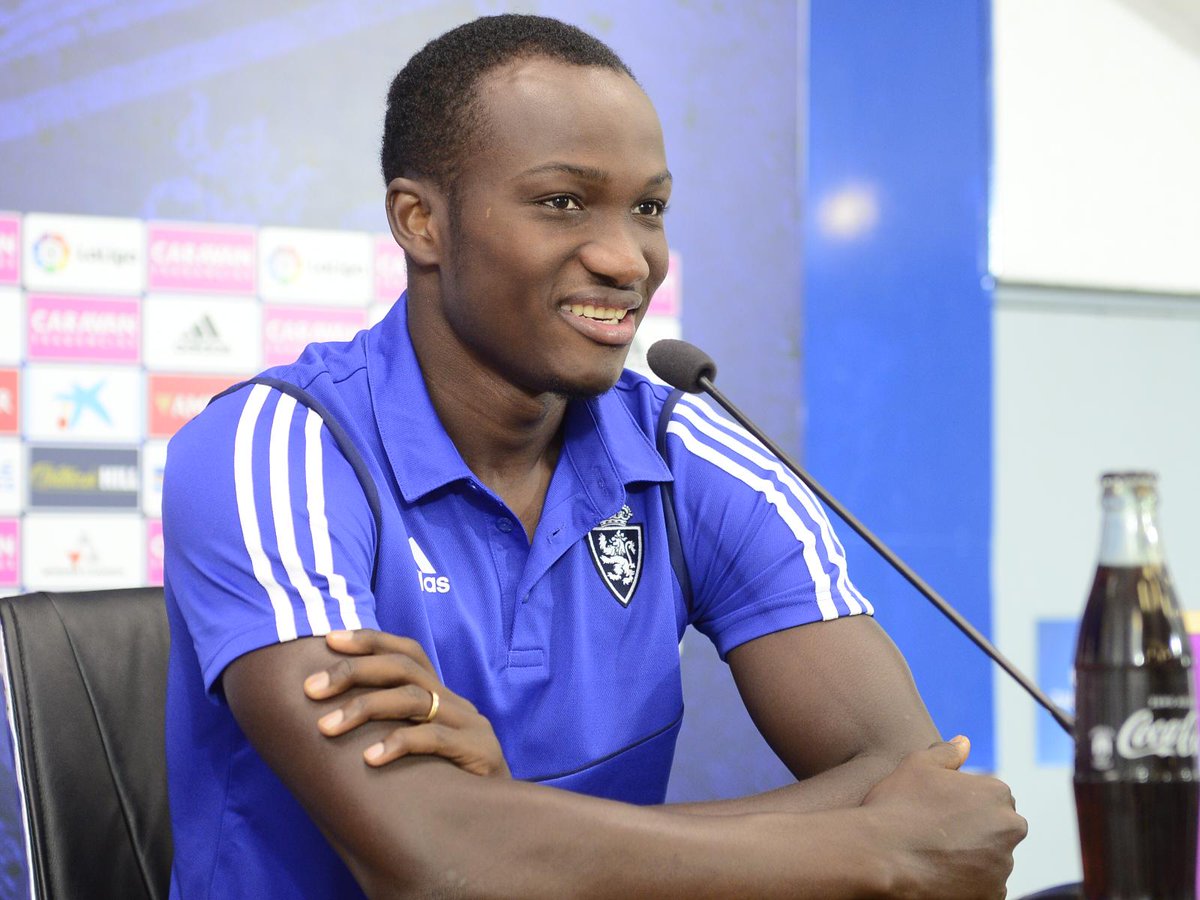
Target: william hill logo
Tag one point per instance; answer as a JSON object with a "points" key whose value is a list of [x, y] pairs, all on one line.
{"points": [[82, 477], [46, 476]]}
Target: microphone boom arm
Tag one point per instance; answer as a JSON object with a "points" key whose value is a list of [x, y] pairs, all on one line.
{"points": [[1060, 716]]}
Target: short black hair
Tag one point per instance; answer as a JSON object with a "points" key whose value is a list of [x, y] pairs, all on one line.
{"points": [[433, 114]]}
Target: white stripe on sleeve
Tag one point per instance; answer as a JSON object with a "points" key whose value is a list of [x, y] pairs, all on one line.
{"points": [[319, 524], [243, 480], [281, 509], [855, 601], [799, 529]]}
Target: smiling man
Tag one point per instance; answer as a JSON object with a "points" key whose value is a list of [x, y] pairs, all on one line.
{"points": [[478, 474]]}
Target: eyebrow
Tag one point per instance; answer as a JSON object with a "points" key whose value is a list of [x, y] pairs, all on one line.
{"points": [[589, 173]]}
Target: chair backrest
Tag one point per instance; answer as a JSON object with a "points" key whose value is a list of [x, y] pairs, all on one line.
{"points": [[85, 674]]}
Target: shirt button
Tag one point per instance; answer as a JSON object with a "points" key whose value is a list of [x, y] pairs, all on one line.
{"points": [[504, 525]]}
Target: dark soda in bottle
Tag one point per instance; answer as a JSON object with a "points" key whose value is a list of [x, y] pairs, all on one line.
{"points": [[1136, 772]]}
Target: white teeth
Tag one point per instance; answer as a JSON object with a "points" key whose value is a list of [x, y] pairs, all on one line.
{"points": [[603, 313]]}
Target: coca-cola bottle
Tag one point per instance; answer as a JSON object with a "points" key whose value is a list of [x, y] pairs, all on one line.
{"points": [[1135, 728]]}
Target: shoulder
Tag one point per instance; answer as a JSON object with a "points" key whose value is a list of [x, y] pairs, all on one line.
{"points": [[311, 380]]}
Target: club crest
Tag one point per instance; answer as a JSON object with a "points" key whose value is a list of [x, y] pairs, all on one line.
{"points": [[616, 548]]}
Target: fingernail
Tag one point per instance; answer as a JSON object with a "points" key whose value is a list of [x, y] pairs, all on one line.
{"points": [[960, 739], [374, 751], [317, 682], [340, 633], [332, 720]]}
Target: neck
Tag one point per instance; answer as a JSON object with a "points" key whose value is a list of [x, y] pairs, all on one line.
{"points": [[507, 436]]}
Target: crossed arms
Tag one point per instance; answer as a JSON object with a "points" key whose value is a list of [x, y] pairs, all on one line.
{"points": [[877, 810]]}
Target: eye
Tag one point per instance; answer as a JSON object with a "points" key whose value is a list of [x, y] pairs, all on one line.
{"points": [[564, 202], [651, 208]]}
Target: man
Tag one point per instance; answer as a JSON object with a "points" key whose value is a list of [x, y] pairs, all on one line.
{"points": [[477, 475]]}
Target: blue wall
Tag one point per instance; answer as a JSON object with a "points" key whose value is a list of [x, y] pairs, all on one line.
{"points": [[897, 320]]}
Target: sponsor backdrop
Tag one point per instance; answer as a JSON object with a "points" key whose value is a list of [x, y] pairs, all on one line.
{"points": [[857, 334], [116, 332]]}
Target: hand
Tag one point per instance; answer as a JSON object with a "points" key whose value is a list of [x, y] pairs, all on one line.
{"points": [[404, 683], [954, 832]]}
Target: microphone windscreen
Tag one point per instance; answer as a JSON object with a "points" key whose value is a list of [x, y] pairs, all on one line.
{"points": [[680, 364]]}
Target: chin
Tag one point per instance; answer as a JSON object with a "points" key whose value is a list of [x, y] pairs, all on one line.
{"points": [[580, 386]]}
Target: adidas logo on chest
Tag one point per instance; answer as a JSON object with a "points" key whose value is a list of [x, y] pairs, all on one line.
{"points": [[431, 582]]}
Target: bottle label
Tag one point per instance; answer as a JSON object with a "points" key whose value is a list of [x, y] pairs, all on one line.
{"points": [[1142, 735]]}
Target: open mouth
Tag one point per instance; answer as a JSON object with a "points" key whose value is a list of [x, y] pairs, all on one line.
{"points": [[596, 313]]}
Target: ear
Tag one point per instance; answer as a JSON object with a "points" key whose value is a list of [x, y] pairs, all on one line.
{"points": [[413, 209]]}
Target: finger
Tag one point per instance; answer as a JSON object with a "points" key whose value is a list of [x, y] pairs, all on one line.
{"points": [[391, 670], [368, 641], [395, 705], [949, 754], [430, 740]]}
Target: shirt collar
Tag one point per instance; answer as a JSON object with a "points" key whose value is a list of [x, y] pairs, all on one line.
{"points": [[600, 436]]}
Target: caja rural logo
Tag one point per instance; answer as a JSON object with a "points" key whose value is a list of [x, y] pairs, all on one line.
{"points": [[51, 252]]}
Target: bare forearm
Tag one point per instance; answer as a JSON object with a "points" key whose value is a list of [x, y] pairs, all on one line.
{"points": [[491, 838], [423, 827], [838, 788]]}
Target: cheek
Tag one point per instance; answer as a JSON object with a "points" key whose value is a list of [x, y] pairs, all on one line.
{"points": [[658, 257]]}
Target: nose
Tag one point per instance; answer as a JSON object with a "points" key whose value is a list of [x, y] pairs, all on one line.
{"points": [[618, 255]]}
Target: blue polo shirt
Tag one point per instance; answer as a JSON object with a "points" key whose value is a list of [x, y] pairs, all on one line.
{"points": [[567, 643]]}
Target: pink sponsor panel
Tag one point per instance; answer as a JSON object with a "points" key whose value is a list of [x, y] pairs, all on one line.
{"points": [[668, 299], [391, 275], [10, 557], [154, 551], [287, 330], [89, 329], [10, 248], [198, 258]]}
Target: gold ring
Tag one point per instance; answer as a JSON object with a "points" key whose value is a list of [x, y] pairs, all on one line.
{"points": [[434, 703]]}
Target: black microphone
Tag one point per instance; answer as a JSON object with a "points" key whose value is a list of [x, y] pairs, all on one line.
{"points": [[690, 369]]}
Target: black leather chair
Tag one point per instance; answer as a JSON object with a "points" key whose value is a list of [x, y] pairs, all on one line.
{"points": [[86, 676]]}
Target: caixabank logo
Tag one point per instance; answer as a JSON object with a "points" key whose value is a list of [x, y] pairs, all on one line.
{"points": [[83, 404]]}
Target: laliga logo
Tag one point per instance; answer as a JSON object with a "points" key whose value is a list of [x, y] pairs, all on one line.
{"points": [[51, 252], [285, 265]]}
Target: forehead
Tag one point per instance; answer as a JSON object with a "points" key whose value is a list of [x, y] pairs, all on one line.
{"points": [[541, 110]]}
